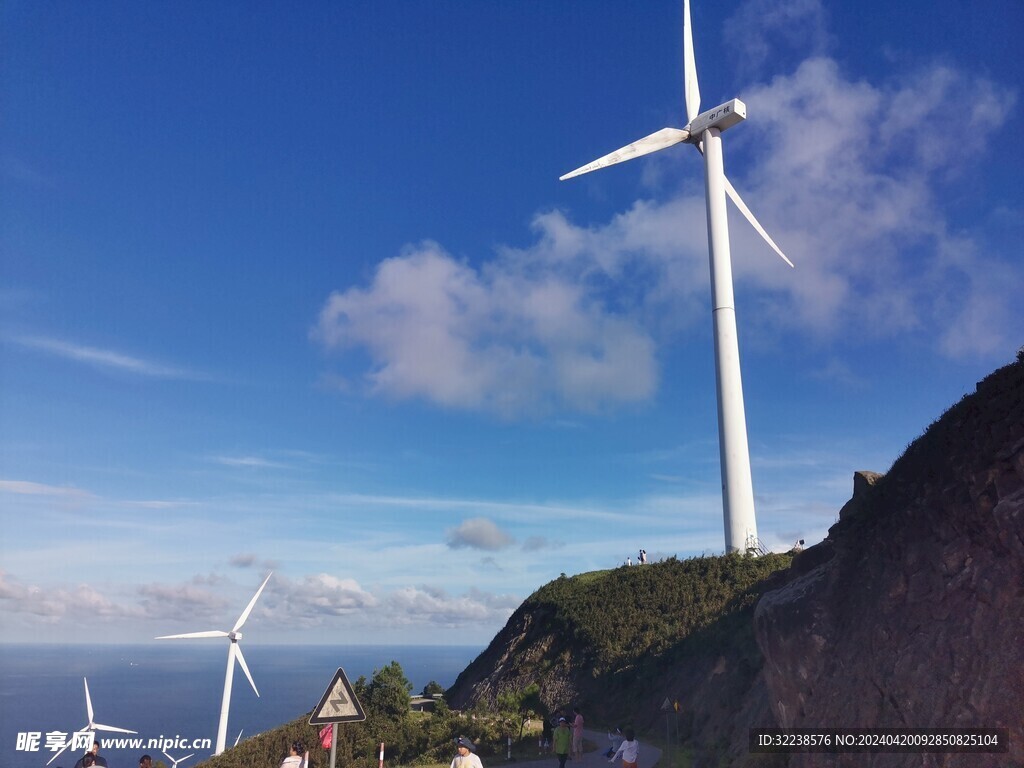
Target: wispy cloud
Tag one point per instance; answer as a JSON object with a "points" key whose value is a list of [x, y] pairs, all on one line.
{"points": [[253, 462], [104, 358], [28, 488]]}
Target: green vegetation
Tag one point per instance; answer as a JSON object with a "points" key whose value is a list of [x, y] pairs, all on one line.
{"points": [[410, 738], [432, 688], [620, 615], [639, 621]]}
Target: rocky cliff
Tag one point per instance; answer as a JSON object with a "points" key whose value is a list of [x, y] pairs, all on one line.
{"points": [[911, 612]]}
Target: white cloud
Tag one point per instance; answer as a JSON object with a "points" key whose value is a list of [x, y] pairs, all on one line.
{"points": [[79, 603], [207, 602], [103, 358], [759, 28], [318, 597], [479, 533], [496, 339], [847, 176], [424, 605]]}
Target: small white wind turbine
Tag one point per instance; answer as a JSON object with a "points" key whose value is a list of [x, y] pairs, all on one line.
{"points": [[92, 725], [704, 131], [234, 652], [174, 763]]}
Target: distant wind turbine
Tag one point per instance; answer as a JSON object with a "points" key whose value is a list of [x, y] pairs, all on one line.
{"points": [[92, 725], [704, 130], [174, 763], [234, 652]]}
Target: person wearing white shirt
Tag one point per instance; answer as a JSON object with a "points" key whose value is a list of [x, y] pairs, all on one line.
{"points": [[465, 758], [297, 756], [629, 750]]}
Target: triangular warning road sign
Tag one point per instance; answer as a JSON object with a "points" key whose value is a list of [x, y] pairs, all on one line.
{"points": [[339, 703]]}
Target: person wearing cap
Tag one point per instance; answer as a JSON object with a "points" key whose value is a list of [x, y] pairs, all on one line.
{"points": [[562, 740], [465, 757]]}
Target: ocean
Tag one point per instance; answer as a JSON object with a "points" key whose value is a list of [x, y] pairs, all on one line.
{"points": [[173, 690]]}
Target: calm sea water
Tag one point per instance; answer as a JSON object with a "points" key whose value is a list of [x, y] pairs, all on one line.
{"points": [[174, 690]]}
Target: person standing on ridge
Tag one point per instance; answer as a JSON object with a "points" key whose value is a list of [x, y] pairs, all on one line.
{"points": [[465, 757], [562, 739], [577, 734]]}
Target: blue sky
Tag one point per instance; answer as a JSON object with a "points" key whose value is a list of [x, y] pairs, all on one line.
{"points": [[297, 288]]}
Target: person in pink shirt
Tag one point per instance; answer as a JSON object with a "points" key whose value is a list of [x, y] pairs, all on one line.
{"points": [[577, 734]]}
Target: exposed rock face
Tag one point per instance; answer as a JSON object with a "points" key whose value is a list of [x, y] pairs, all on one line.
{"points": [[911, 612]]}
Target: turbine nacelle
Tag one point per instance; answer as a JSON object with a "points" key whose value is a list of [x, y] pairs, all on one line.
{"points": [[721, 117]]}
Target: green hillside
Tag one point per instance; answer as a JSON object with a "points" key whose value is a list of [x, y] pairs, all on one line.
{"points": [[616, 641], [620, 617]]}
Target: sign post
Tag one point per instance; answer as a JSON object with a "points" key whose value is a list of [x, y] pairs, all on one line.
{"points": [[338, 705], [667, 708]]}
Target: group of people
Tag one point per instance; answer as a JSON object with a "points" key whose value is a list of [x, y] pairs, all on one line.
{"points": [[565, 739], [641, 558]]}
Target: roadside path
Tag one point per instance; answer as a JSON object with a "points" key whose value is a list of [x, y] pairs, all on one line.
{"points": [[593, 758]]}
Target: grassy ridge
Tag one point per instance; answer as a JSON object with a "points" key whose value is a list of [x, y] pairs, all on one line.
{"points": [[620, 616]]}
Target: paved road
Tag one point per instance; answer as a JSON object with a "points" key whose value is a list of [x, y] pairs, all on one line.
{"points": [[594, 758]]}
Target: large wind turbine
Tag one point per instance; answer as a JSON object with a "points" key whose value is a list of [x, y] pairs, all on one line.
{"points": [[234, 652], [92, 725], [704, 130]]}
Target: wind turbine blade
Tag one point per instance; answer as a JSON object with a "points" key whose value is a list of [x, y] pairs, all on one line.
{"points": [[88, 700], [666, 137], [186, 757], [245, 668], [248, 610], [691, 91], [101, 727], [208, 633], [238, 738], [170, 758], [735, 196], [59, 753]]}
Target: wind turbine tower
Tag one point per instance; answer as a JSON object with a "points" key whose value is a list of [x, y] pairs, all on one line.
{"points": [[234, 654], [704, 131]]}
